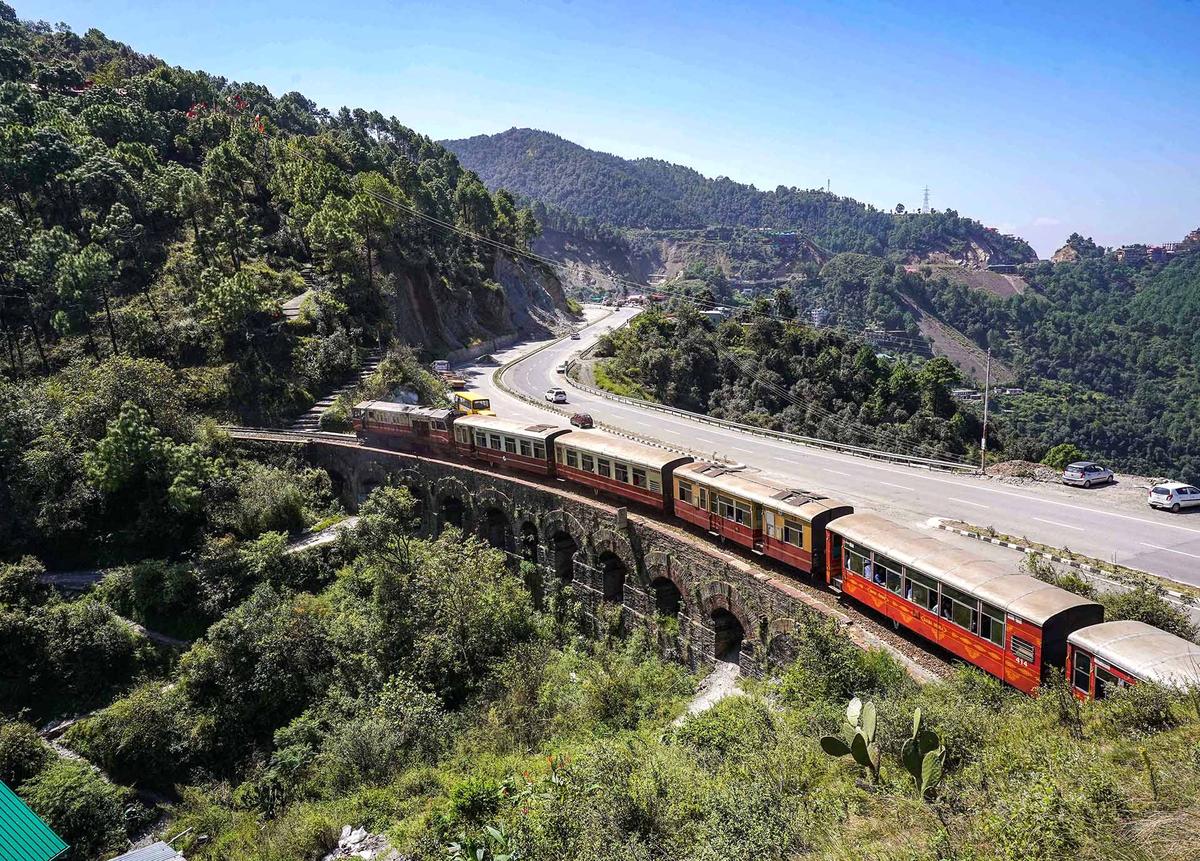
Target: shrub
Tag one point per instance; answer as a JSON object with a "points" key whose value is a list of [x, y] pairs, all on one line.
{"points": [[475, 799], [1148, 603], [22, 753], [829, 668], [734, 728], [80, 805], [19, 581], [1061, 455], [1140, 709]]}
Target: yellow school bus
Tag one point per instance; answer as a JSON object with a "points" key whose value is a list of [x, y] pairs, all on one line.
{"points": [[473, 404]]}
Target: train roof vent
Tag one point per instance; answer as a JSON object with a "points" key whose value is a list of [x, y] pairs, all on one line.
{"points": [[797, 497], [717, 469], [540, 428]]}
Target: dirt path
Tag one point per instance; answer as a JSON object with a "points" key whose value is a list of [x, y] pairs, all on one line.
{"points": [[955, 346], [720, 683]]}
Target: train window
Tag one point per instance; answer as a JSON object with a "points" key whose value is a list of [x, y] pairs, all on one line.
{"points": [[1081, 671], [622, 473], [539, 450], [1022, 649], [887, 572], [558, 454], [922, 591], [604, 467], [1106, 682], [960, 608], [712, 502], [510, 445], [438, 424], [991, 624], [793, 533], [741, 513], [480, 440], [495, 441], [587, 463], [854, 561], [685, 492], [724, 507], [526, 448], [654, 483], [639, 477], [572, 459]]}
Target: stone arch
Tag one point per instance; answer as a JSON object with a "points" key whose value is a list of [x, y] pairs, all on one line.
{"points": [[370, 476], [496, 529], [452, 504], [490, 497], [342, 482], [668, 589], [732, 628], [612, 572], [560, 520], [607, 541], [529, 543], [563, 548], [781, 641]]}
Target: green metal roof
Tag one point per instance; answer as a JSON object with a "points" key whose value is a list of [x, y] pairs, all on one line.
{"points": [[24, 837]]}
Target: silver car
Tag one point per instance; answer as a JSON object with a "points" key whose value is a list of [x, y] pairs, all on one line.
{"points": [[1174, 495], [556, 396], [1087, 474]]}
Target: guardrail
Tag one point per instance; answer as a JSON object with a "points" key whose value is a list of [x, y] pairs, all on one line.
{"points": [[797, 439]]}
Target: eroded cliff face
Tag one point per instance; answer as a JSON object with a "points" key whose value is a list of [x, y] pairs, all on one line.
{"points": [[520, 297]]}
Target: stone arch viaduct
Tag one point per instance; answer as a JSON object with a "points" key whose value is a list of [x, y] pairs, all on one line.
{"points": [[699, 603]]}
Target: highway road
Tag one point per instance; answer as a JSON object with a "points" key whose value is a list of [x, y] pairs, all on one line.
{"points": [[1101, 524]]}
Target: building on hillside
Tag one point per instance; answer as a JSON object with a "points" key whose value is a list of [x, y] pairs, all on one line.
{"points": [[24, 837], [819, 317], [154, 852]]}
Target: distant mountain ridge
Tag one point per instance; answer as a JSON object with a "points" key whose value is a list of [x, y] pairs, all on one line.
{"points": [[652, 193]]}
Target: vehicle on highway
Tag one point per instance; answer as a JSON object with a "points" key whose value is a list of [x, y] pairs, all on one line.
{"points": [[561, 369], [1017, 628], [556, 396], [440, 366], [575, 336], [473, 403], [1084, 473], [583, 420], [1174, 495]]}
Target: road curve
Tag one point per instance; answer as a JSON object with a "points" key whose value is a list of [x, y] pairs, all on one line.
{"points": [[1088, 522]]}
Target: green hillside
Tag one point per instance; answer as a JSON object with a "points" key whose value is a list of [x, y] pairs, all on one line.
{"points": [[651, 193]]}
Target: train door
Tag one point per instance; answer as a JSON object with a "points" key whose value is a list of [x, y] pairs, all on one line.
{"points": [[833, 560]]}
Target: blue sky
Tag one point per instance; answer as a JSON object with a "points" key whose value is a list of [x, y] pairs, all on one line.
{"points": [[1037, 118]]}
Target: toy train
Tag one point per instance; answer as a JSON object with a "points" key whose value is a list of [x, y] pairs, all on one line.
{"points": [[1013, 626]]}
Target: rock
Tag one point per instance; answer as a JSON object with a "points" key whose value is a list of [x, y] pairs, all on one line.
{"points": [[357, 836], [346, 829]]}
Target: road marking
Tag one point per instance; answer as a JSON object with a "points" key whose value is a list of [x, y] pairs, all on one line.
{"points": [[968, 502], [836, 472], [742, 450], [1169, 550], [901, 486], [1057, 523]]}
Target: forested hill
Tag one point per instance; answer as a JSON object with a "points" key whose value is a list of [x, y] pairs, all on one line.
{"points": [[657, 194], [155, 212]]}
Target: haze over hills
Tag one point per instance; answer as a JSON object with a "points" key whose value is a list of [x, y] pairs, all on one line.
{"points": [[655, 194]]}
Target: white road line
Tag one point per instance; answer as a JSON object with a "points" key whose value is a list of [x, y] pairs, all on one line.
{"points": [[742, 450], [968, 502], [1169, 550], [901, 486], [1057, 523], [836, 472]]}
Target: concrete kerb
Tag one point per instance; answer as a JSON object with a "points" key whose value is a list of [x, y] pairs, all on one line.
{"points": [[1091, 570]]}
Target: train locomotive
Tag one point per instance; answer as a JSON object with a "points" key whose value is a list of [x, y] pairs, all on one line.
{"points": [[1013, 626]]}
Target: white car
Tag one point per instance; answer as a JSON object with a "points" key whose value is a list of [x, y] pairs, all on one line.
{"points": [[1086, 474], [1174, 495], [561, 369], [558, 396]]}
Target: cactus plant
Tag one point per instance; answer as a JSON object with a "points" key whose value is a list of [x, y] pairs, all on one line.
{"points": [[923, 756], [858, 737]]}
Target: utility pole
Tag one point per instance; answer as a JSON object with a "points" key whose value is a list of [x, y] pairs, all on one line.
{"points": [[987, 385]]}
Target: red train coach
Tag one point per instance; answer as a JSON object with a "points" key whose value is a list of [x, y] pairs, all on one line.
{"points": [[1104, 658], [1010, 625], [404, 423], [630, 470], [758, 511], [519, 445]]}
